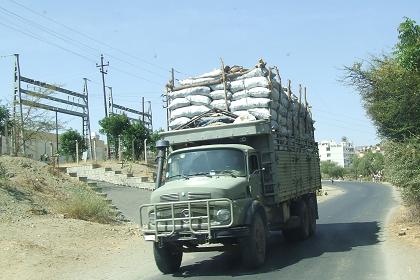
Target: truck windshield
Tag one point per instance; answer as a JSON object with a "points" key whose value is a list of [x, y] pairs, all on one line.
{"points": [[229, 162]]}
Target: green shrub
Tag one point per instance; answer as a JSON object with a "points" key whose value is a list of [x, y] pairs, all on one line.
{"points": [[402, 168]]}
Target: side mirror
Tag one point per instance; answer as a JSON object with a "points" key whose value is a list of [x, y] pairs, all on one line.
{"points": [[257, 171]]}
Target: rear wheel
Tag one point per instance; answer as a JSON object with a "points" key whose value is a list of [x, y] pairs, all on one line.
{"points": [[313, 213], [301, 232], [168, 257], [253, 247]]}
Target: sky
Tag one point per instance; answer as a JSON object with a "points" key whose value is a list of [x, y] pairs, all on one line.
{"points": [[310, 42]]}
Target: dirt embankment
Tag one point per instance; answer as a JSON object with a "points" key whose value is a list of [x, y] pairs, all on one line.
{"points": [[40, 240]]}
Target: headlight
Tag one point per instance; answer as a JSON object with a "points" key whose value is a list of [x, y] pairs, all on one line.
{"points": [[223, 215]]}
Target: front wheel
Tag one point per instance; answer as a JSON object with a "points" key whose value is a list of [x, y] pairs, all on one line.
{"points": [[253, 247], [168, 257]]}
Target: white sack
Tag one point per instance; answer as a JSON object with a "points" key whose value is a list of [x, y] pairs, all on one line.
{"points": [[192, 81], [243, 116], [220, 94], [178, 121], [211, 74], [260, 113], [220, 86], [248, 83], [178, 103], [189, 112], [219, 104], [198, 99], [189, 91], [257, 72], [253, 92], [250, 103]]}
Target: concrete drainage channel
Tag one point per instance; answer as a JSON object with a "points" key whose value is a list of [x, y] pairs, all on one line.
{"points": [[92, 174]]}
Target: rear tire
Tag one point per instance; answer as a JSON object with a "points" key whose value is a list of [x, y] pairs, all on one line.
{"points": [[167, 258], [313, 213], [300, 209], [253, 247]]}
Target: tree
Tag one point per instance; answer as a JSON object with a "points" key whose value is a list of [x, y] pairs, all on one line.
{"points": [[390, 91], [114, 126], [68, 144], [36, 121], [4, 118], [133, 137], [154, 137], [407, 50], [331, 169]]}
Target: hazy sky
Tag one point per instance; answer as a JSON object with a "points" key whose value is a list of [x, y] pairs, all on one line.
{"points": [[310, 42]]}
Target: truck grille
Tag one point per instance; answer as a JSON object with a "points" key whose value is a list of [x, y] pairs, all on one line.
{"points": [[169, 197], [197, 196]]}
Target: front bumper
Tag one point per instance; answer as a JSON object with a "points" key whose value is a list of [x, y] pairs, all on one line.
{"points": [[185, 220]]}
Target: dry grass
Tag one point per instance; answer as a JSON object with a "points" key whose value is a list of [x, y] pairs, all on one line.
{"points": [[29, 187], [409, 214], [86, 205]]}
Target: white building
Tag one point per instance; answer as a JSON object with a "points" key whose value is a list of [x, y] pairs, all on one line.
{"points": [[340, 153]]}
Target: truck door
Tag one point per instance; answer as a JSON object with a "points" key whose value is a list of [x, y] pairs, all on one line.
{"points": [[255, 178]]}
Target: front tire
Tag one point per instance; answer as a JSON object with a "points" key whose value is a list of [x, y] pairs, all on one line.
{"points": [[168, 257], [253, 247]]}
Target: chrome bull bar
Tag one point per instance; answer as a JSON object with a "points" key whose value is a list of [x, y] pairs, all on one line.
{"points": [[186, 224]]}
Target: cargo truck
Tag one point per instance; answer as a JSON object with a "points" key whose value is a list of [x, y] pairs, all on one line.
{"points": [[227, 186]]}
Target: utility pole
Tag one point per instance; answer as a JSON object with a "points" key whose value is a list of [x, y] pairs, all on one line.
{"points": [[86, 120], [150, 112], [172, 85], [142, 105], [103, 72], [17, 99], [110, 102], [56, 131]]}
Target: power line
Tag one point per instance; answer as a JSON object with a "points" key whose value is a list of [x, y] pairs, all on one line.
{"points": [[46, 41], [73, 52], [93, 39], [72, 41]]}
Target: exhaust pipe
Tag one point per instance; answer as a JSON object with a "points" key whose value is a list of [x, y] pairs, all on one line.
{"points": [[161, 146]]}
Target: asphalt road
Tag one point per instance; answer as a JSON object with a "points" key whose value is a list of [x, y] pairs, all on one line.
{"points": [[347, 244]]}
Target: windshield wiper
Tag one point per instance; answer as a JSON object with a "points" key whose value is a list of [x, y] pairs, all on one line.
{"points": [[230, 172], [207, 174], [179, 175]]}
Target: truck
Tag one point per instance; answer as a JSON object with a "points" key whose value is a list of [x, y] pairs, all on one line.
{"points": [[238, 162], [230, 185]]}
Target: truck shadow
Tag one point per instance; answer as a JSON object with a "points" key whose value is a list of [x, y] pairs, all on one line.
{"points": [[335, 237]]}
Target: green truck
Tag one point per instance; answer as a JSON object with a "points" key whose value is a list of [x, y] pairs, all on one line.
{"points": [[227, 186]]}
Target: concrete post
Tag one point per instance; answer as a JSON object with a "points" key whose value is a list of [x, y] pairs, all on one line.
{"points": [[145, 150], [77, 152]]}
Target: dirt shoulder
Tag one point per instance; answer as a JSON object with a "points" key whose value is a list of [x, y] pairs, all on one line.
{"points": [[401, 242], [48, 247], [329, 191]]}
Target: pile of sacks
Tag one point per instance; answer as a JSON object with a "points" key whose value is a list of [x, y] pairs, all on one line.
{"points": [[250, 94]]}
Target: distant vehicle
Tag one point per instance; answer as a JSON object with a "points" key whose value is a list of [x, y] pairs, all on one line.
{"points": [[229, 185]]}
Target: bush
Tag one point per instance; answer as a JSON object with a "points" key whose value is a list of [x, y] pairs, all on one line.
{"points": [[86, 205], [331, 169], [402, 168]]}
